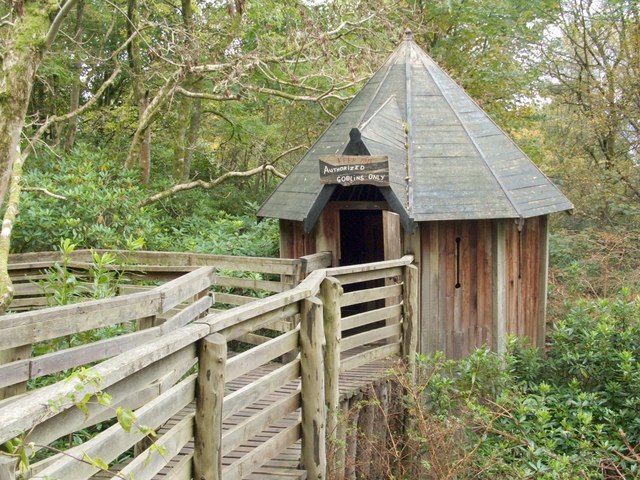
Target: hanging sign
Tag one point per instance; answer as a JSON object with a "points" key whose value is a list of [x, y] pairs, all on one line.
{"points": [[349, 170]]}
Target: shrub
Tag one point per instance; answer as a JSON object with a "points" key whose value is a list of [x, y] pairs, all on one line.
{"points": [[573, 414], [100, 211]]}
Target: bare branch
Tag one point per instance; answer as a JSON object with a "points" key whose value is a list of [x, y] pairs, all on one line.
{"points": [[292, 149], [57, 22], [210, 68], [61, 118], [207, 185], [346, 24], [206, 96], [4, 21], [299, 98], [45, 191]]}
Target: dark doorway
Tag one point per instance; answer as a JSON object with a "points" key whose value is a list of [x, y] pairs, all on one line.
{"points": [[361, 237]]}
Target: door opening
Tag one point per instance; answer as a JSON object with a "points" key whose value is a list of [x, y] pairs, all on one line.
{"points": [[361, 237]]}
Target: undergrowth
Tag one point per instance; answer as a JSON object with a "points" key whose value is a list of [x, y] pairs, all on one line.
{"points": [[569, 414]]}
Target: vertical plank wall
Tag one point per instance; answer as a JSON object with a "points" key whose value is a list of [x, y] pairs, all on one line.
{"points": [[293, 241], [523, 274], [457, 320]]}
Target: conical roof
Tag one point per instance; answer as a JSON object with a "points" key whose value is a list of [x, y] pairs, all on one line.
{"points": [[447, 159]]}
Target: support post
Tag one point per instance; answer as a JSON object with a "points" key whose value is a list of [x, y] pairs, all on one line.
{"points": [[207, 453], [331, 290], [147, 322], [410, 317], [7, 467], [499, 288], [543, 282], [11, 355], [314, 459]]}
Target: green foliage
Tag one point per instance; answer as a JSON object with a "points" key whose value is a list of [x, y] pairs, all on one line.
{"points": [[100, 211], [570, 415], [62, 286]]}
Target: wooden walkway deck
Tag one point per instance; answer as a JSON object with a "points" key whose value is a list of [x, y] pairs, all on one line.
{"points": [[285, 465], [255, 430]]}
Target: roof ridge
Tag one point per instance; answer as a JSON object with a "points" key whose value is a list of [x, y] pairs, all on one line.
{"points": [[364, 124], [408, 39], [388, 64], [504, 189]]}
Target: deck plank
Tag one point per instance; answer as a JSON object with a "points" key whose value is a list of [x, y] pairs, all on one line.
{"points": [[285, 465]]}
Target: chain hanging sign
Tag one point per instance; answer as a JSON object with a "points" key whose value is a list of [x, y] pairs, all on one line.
{"points": [[347, 170]]}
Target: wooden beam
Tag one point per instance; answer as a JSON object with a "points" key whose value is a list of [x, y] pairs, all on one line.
{"points": [[331, 290], [366, 318], [147, 463], [253, 425], [207, 453], [314, 458], [7, 467], [115, 440], [252, 392], [316, 261], [371, 294], [410, 317], [543, 280], [14, 355], [251, 359], [499, 287]]}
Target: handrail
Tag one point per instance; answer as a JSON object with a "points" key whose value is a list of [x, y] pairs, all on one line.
{"points": [[113, 374]]}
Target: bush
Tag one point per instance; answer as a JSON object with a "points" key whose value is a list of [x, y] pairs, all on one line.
{"points": [[573, 414], [100, 211]]}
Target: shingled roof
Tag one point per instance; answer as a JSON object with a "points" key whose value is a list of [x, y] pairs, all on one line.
{"points": [[447, 159]]}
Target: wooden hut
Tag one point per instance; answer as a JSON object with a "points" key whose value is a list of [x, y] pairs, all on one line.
{"points": [[414, 165]]}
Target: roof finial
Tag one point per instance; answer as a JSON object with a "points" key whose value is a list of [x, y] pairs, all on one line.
{"points": [[408, 34]]}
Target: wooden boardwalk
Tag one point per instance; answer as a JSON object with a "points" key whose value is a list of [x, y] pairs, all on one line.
{"points": [[285, 465], [256, 415]]}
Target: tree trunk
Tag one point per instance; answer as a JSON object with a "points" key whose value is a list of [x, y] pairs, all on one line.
{"points": [[183, 132], [147, 117], [145, 146], [192, 136], [21, 50], [183, 110], [141, 145], [18, 71], [19, 65], [74, 101]]}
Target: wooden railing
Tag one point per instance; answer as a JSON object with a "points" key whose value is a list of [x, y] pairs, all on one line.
{"points": [[20, 332], [150, 379], [239, 279]]}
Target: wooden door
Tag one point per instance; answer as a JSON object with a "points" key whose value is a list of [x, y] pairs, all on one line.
{"points": [[392, 235]]}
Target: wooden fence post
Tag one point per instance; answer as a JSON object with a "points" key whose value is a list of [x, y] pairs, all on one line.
{"points": [[411, 312], [7, 467], [12, 355], [314, 459], [207, 453], [331, 290]]}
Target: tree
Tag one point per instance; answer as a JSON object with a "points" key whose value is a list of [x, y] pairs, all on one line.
{"points": [[27, 30], [594, 68]]}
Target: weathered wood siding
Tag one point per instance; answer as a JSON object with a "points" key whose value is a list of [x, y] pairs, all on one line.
{"points": [[458, 319], [294, 243], [458, 282], [455, 320], [523, 277]]}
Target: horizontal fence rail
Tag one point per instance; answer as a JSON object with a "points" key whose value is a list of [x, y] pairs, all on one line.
{"points": [[239, 280], [344, 317]]}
